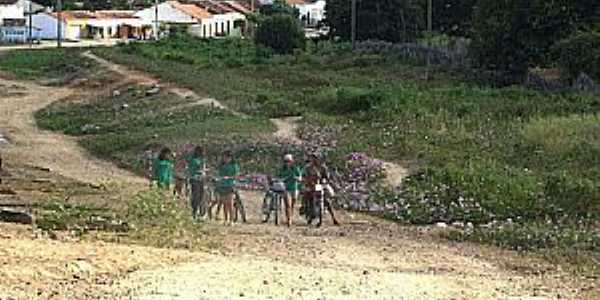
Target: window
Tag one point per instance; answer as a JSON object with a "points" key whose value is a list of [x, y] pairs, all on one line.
{"points": [[203, 30]]}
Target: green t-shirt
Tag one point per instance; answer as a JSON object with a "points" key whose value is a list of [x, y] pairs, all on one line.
{"points": [[231, 169], [195, 166], [163, 173], [290, 176]]}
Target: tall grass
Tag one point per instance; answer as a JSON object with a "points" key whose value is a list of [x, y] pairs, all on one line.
{"points": [[43, 64]]}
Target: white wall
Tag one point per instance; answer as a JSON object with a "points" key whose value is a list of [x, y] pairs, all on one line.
{"points": [[316, 11], [13, 34], [166, 14], [11, 12], [47, 25]]}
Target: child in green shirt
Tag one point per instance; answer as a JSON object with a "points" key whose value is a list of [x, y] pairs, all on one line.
{"points": [[291, 174], [227, 173], [163, 169]]}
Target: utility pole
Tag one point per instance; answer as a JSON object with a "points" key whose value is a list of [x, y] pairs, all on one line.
{"points": [[30, 14], [156, 20], [430, 16], [353, 30], [59, 23]]}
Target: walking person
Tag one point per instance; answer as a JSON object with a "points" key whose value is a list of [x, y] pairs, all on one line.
{"points": [[291, 174], [162, 170], [316, 173], [196, 168], [227, 174]]}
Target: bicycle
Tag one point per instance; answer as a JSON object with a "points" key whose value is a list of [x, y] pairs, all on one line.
{"points": [[272, 202], [319, 202], [240, 210]]}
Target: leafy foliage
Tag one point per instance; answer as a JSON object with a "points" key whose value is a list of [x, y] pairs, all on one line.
{"points": [[282, 33], [510, 36], [391, 20], [580, 52], [279, 7], [453, 17]]}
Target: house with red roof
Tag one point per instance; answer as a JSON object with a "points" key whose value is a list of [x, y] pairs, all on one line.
{"points": [[205, 19]]}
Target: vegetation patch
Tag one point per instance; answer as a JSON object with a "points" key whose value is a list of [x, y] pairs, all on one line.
{"points": [[44, 64]]}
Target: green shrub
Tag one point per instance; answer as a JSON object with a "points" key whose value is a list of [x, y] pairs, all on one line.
{"points": [[580, 52], [572, 196], [348, 100], [478, 194], [282, 33]]}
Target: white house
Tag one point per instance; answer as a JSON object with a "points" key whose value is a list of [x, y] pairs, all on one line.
{"points": [[203, 18], [11, 9], [17, 9], [47, 23], [101, 24], [311, 11]]}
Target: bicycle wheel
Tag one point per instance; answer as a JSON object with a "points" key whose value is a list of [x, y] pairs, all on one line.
{"points": [[276, 205]]}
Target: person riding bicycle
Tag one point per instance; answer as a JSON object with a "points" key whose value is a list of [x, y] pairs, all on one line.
{"points": [[291, 174], [316, 173]]}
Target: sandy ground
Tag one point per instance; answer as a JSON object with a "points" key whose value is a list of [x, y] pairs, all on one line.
{"points": [[46, 149], [365, 258]]}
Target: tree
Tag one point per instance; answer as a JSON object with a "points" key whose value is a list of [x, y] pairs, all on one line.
{"points": [[580, 52], [281, 32], [279, 7], [388, 20], [452, 17], [512, 35]]}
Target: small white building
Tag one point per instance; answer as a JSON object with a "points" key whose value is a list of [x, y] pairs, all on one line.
{"points": [[101, 24], [48, 26], [11, 9], [312, 12], [203, 19]]}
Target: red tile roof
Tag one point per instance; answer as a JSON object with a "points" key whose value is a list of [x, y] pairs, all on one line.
{"points": [[239, 7], [191, 10]]}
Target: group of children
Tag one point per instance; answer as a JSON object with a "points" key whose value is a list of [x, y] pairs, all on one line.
{"points": [[191, 168]]}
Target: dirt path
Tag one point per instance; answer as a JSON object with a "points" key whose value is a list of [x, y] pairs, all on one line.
{"points": [[40, 148], [286, 129], [367, 258], [146, 79]]}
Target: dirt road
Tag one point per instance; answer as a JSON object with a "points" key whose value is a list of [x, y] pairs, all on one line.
{"points": [[59, 153], [365, 258]]}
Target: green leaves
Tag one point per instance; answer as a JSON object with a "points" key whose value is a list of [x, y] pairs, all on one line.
{"points": [[282, 33]]}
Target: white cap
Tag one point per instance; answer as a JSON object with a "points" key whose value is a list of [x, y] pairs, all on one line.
{"points": [[288, 157]]}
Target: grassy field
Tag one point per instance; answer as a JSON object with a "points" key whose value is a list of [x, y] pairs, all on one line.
{"points": [[43, 64], [521, 163]]}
